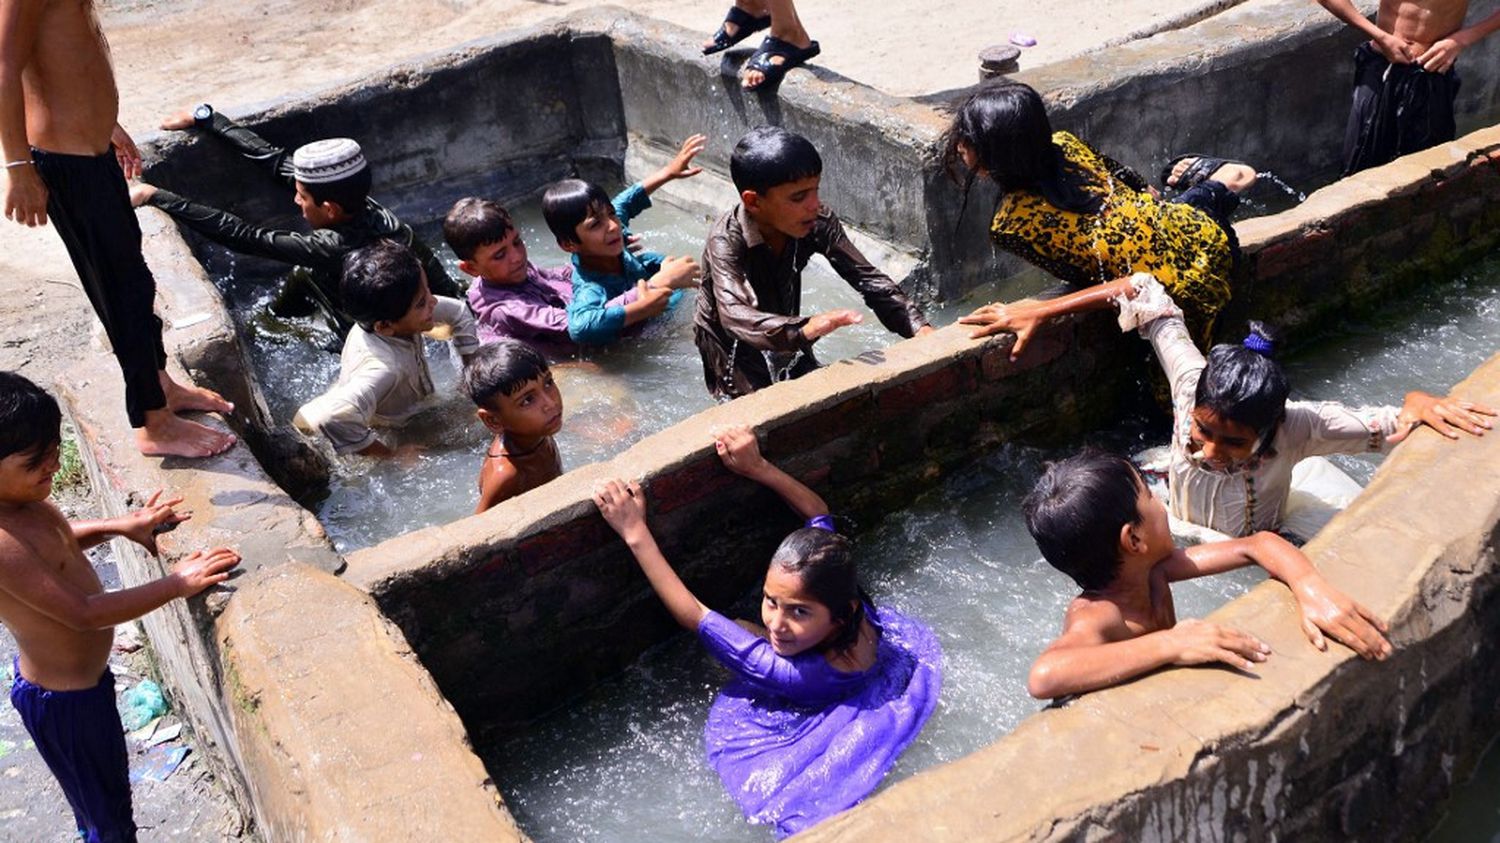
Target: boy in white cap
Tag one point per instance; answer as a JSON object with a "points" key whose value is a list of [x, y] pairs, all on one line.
{"points": [[332, 182]]}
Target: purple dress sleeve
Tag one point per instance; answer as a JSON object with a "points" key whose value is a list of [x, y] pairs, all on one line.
{"points": [[796, 741]]}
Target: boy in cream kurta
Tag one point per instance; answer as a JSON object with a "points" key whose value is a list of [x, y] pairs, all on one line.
{"points": [[383, 375]]}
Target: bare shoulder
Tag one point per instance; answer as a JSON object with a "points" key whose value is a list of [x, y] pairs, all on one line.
{"points": [[30, 532], [498, 479], [1090, 616]]}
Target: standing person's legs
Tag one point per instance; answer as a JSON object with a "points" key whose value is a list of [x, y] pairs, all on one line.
{"points": [[78, 734], [89, 203], [1370, 134]]}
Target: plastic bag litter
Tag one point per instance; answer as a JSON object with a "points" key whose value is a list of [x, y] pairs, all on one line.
{"points": [[142, 704]]}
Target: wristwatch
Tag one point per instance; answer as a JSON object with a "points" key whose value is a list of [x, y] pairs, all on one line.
{"points": [[203, 115]]}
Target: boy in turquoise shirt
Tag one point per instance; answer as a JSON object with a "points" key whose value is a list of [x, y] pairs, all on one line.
{"points": [[592, 228]]}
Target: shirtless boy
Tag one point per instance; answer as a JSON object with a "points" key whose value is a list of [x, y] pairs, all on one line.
{"points": [[1404, 77], [1094, 519], [518, 401], [66, 157], [62, 618]]}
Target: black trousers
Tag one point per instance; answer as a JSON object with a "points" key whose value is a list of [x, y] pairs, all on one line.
{"points": [[1397, 109], [89, 204]]}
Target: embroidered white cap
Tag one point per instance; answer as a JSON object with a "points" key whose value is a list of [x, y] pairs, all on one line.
{"points": [[327, 160]]}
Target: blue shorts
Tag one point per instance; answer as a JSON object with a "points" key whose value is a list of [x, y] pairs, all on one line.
{"points": [[79, 735]]}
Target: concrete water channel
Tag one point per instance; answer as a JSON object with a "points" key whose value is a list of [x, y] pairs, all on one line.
{"points": [[344, 706]]}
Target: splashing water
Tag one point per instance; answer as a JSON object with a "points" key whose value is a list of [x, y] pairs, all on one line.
{"points": [[1285, 188]]}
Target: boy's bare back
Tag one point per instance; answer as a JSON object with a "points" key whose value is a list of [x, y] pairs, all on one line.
{"points": [[41, 561]]}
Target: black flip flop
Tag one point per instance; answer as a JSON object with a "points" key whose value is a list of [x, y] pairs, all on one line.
{"points": [[1196, 173], [792, 57], [747, 25]]}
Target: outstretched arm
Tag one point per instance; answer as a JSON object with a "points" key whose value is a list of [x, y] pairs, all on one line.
{"points": [[1096, 651], [39, 586], [1023, 318], [624, 507], [1445, 415], [1324, 609], [741, 454]]}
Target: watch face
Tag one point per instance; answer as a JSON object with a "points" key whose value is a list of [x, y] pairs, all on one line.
{"points": [[203, 112]]}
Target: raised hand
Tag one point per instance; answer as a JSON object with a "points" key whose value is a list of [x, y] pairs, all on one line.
{"points": [[1325, 609], [1200, 642], [203, 568], [740, 452], [623, 506], [680, 166], [157, 516]]}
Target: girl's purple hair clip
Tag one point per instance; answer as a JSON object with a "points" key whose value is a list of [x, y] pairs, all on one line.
{"points": [[822, 522], [1260, 345]]}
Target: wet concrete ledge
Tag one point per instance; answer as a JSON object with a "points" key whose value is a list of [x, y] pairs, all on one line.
{"points": [[289, 678], [539, 588], [1313, 746]]}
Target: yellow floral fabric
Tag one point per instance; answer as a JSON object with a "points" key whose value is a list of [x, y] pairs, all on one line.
{"points": [[1178, 244]]}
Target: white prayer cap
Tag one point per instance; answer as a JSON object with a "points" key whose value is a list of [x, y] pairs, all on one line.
{"points": [[331, 159]]}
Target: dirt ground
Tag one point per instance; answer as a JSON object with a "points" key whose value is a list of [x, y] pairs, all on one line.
{"points": [[171, 54]]}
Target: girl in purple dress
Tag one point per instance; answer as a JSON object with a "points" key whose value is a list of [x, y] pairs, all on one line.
{"points": [[828, 693]]}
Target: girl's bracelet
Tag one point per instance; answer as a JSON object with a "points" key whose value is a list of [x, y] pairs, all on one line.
{"points": [[22, 163]]}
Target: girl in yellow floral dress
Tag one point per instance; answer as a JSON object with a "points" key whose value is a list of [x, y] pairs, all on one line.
{"points": [[1087, 219]]}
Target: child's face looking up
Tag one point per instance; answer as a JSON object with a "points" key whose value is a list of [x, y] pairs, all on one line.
{"points": [[790, 208], [533, 411], [501, 262], [27, 477], [794, 621], [600, 235], [1220, 442], [1154, 532], [418, 317]]}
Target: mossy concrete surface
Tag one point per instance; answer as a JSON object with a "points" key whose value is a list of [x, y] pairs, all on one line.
{"points": [[342, 729], [1312, 745]]}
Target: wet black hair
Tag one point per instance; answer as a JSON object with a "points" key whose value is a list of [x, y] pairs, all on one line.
{"points": [[1006, 125], [824, 562], [380, 282], [767, 156], [350, 193], [1076, 510], [1246, 386], [568, 203], [30, 420], [475, 222], [503, 366]]}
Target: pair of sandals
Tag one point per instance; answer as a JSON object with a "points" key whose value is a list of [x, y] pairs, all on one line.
{"points": [[771, 47]]}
